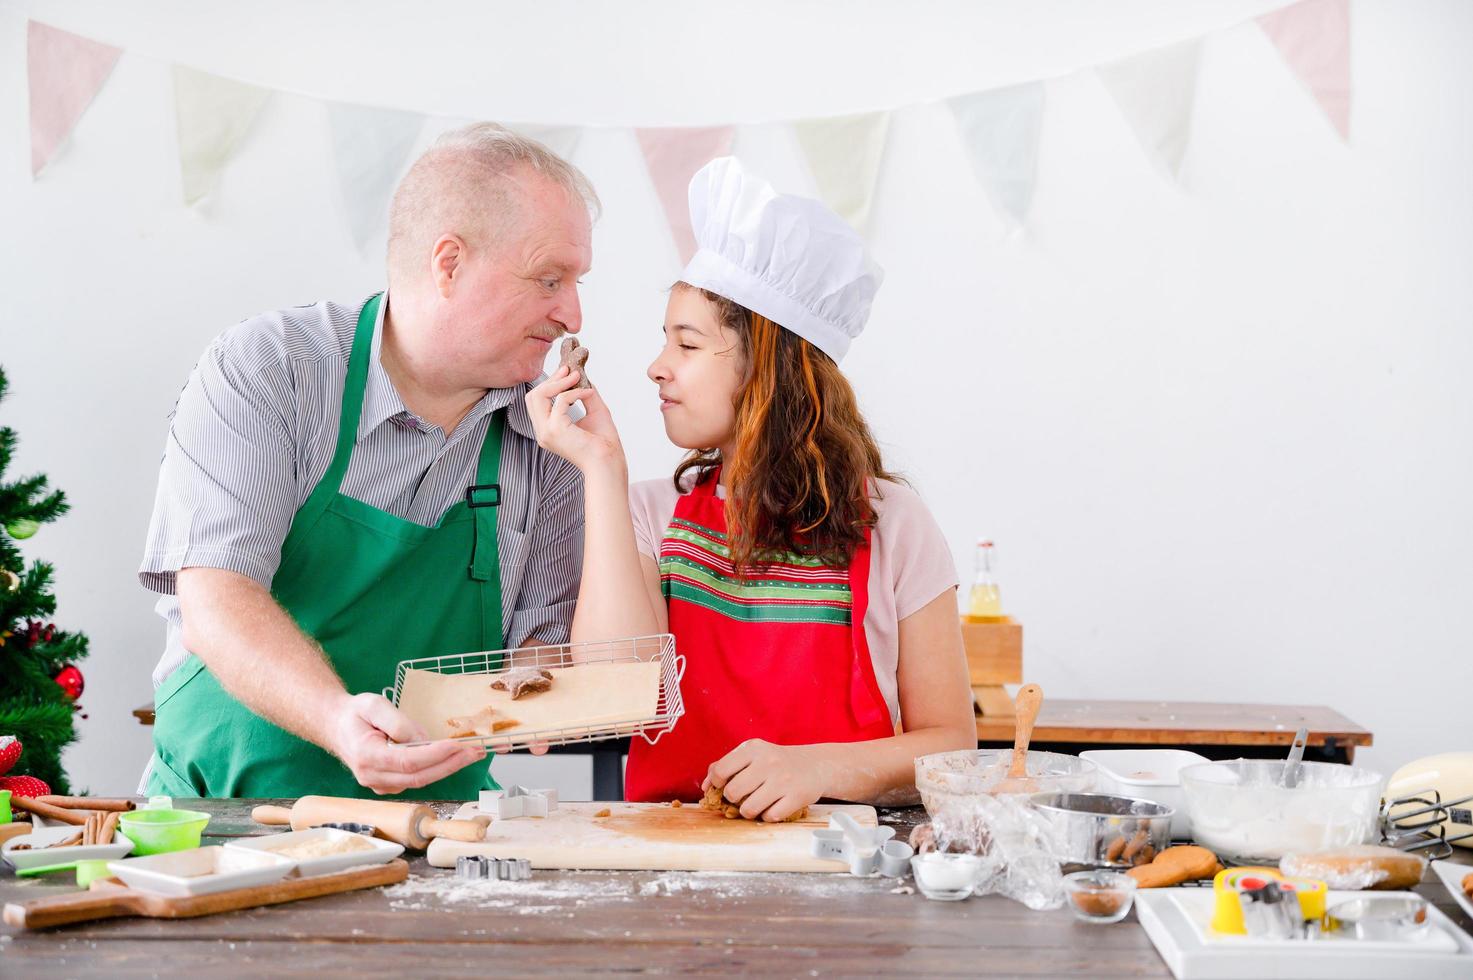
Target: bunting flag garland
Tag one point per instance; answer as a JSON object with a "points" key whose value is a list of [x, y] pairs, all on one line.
{"points": [[370, 147], [844, 155], [65, 72], [1155, 91], [673, 156], [214, 115], [1000, 130], [1314, 39]]}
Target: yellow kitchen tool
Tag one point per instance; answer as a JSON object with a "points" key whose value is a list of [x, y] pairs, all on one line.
{"points": [[1227, 912]]}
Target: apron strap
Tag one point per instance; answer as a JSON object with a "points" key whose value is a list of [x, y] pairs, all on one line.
{"points": [[484, 500]]}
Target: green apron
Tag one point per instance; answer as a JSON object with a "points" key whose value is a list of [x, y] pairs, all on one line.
{"points": [[373, 589]]}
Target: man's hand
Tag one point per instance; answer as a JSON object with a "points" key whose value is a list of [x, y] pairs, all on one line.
{"points": [[769, 781], [361, 732]]}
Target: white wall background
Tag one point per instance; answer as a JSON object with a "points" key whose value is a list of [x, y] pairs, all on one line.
{"points": [[1221, 430]]}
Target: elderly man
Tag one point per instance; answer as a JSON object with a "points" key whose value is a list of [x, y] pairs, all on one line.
{"points": [[345, 487]]}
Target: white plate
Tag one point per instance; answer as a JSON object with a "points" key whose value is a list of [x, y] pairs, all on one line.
{"points": [[201, 871], [38, 855], [382, 852], [1451, 875], [1177, 920]]}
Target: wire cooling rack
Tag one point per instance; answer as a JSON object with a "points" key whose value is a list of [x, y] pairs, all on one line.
{"points": [[661, 647]]}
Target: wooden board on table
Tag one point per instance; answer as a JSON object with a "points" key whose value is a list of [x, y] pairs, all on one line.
{"points": [[584, 695], [111, 899], [652, 837]]}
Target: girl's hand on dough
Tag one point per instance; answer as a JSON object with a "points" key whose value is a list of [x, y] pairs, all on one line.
{"points": [[770, 782]]}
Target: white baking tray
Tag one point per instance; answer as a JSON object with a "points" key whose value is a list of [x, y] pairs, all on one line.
{"points": [[381, 851], [1177, 920]]}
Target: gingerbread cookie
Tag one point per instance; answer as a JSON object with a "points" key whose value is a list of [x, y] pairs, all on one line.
{"points": [[714, 800], [572, 355], [483, 722], [521, 681], [1174, 866]]}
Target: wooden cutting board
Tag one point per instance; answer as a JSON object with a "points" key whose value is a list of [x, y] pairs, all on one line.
{"points": [[109, 898], [651, 837]]}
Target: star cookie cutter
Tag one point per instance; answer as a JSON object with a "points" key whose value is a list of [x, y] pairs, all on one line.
{"points": [[517, 801], [866, 850]]}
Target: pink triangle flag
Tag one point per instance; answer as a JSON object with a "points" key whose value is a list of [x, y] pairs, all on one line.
{"points": [[1314, 38], [65, 73], [672, 157]]}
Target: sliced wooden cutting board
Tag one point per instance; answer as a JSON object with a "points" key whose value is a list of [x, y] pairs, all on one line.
{"points": [[651, 837]]}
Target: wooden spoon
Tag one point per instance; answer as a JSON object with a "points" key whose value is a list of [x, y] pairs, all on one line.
{"points": [[1025, 713]]}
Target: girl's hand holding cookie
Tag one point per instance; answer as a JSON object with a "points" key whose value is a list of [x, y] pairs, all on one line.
{"points": [[591, 441]]}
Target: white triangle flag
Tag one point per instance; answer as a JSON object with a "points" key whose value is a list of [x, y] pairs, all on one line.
{"points": [[1000, 130], [370, 146], [1155, 91], [214, 114], [844, 154]]}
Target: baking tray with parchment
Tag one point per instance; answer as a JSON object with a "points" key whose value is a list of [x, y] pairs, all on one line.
{"points": [[601, 689]]}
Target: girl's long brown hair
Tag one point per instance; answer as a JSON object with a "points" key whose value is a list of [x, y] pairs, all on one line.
{"points": [[804, 460]]}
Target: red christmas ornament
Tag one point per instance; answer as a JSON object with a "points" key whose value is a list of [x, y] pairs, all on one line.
{"points": [[27, 786], [71, 681], [9, 752]]}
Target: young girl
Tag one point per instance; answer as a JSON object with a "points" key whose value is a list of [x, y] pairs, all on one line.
{"points": [[812, 595]]}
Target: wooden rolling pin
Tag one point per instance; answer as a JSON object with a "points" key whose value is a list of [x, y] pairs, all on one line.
{"points": [[410, 824]]}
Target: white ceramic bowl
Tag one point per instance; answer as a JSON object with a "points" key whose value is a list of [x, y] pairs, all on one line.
{"points": [[1240, 811], [1148, 774]]}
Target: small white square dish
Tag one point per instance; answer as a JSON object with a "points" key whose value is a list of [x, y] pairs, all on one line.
{"points": [[202, 871], [322, 850], [38, 853], [1452, 876]]}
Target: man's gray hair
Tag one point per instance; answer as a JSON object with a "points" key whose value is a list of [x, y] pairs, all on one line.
{"points": [[465, 184]]}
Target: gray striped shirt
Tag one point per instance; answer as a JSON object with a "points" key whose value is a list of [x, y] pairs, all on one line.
{"points": [[254, 431]]}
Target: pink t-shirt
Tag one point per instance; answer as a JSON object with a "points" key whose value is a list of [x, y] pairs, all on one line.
{"points": [[910, 564]]}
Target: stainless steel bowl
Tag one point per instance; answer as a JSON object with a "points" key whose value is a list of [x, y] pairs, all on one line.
{"points": [[1096, 830]]}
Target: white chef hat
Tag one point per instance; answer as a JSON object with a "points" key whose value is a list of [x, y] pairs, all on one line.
{"points": [[786, 257]]}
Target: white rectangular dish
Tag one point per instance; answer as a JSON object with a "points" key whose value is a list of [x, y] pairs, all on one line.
{"points": [[1452, 876], [38, 854], [377, 851], [202, 871], [1177, 920], [1148, 774]]}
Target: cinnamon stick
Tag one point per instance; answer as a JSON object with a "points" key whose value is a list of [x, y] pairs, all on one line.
{"points": [[89, 803], [70, 841], [74, 817], [109, 828], [89, 831]]}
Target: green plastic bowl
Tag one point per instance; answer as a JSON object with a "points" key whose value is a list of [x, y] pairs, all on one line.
{"points": [[163, 831]]}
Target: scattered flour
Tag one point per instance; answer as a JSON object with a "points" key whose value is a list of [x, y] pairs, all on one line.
{"points": [[551, 891]]}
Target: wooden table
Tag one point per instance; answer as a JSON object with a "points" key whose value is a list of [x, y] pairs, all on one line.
{"points": [[586, 922], [1217, 731]]}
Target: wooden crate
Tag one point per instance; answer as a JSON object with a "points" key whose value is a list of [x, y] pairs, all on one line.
{"points": [[994, 658]]}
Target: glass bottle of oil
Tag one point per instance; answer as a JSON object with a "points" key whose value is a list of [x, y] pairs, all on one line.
{"points": [[985, 603]]}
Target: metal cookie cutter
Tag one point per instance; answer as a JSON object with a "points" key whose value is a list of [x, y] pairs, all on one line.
{"points": [[477, 866], [517, 801], [865, 849]]}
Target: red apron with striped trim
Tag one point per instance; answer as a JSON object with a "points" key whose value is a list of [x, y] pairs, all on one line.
{"points": [[780, 657]]}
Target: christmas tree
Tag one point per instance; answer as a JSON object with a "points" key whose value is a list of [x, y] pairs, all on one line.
{"points": [[39, 681]]}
